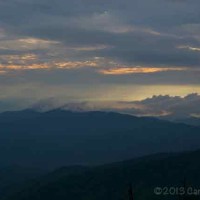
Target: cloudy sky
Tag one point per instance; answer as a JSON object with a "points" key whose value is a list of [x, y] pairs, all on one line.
{"points": [[92, 50]]}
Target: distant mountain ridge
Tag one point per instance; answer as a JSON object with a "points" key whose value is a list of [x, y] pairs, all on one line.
{"points": [[194, 121], [58, 137]]}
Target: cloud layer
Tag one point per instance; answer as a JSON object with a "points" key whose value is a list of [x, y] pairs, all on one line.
{"points": [[63, 42], [173, 107], [146, 33]]}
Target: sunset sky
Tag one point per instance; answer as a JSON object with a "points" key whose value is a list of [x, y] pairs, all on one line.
{"points": [[98, 50]]}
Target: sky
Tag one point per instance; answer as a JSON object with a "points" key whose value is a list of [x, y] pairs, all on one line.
{"points": [[92, 50]]}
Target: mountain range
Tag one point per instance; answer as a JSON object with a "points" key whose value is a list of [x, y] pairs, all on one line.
{"points": [[56, 138]]}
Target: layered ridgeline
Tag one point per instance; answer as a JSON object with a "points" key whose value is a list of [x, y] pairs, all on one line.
{"points": [[111, 181], [57, 138]]}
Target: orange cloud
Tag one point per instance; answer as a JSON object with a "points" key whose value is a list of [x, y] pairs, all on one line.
{"points": [[24, 65], [21, 67], [17, 57], [75, 64], [138, 70]]}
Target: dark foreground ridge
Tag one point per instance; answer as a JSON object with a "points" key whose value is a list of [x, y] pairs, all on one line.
{"points": [[112, 181]]}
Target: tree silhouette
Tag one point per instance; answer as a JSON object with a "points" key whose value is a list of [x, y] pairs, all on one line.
{"points": [[130, 192]]}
